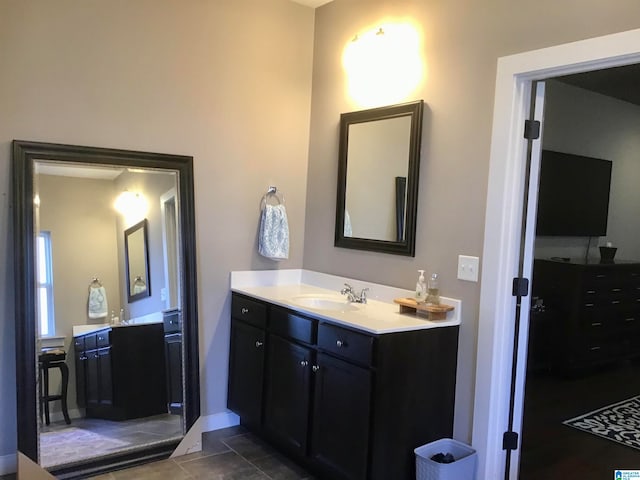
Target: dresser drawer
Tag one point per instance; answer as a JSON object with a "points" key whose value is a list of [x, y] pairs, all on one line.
{"points": [[287, 324], [249, 311], [345, 343]]}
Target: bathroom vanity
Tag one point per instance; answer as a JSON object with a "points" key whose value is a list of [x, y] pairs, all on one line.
{"points": [[120, 371], [347, 390]]}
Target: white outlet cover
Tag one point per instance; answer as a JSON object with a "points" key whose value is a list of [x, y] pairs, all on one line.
{"points": [[468, 268]]}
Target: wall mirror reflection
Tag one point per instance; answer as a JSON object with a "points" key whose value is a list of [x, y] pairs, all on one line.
{"points": [[378, 173], [136, 252], [127, 370]]}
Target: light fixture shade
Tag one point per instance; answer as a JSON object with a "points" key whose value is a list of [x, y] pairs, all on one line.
{"points": [[132, 205]]}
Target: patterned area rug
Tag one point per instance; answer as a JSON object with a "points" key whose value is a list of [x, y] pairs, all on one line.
{"points": [[74, 444], [619, 422]]}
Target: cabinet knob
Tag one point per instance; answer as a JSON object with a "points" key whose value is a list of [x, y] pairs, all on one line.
{"points": [[630, 319], [259, 343], [244, 310], [340, 343], [304, 363], [315, 368]]}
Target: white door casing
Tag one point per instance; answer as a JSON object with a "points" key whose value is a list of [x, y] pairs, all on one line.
{"points": [[515, 74]]}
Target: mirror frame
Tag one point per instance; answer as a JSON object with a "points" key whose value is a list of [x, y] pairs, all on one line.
{"points": [[24, 155], [141, 225], [407, 245]]}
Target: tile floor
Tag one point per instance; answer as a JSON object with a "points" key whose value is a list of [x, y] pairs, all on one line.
{"points": [[85, 438], [228, 454]]}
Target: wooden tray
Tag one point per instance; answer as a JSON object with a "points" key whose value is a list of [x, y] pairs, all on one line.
{"points": [[434, 312]]}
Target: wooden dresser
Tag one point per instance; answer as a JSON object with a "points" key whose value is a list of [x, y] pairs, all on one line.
{"points": [[595, 311]]}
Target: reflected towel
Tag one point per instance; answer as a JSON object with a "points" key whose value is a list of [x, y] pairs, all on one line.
{"points": [[97, 302], [273, 239], [348, 231]]}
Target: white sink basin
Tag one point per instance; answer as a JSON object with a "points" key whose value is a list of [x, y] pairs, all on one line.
{"points": [[334, 303]]}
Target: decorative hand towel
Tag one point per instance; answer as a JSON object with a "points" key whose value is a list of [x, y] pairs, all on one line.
{"points": [[97, 302], [273, 239]]}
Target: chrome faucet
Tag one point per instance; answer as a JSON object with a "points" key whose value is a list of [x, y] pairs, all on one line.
{"points": [[352, 297]]}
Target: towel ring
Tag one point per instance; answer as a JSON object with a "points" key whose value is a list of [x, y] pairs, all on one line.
{"points": [[272, 192]]}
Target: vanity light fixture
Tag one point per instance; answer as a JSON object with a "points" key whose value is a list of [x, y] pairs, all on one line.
{"points": [[383, 65], [132, 205]]}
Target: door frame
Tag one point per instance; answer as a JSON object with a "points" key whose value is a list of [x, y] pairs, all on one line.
{"points": [[515, 74]]}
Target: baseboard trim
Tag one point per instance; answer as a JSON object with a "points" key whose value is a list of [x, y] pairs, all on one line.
{"points": [[8, 464]]}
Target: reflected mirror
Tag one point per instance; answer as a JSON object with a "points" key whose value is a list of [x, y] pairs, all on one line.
{"points": [[128, 371], [378, 173], [137, 261]]}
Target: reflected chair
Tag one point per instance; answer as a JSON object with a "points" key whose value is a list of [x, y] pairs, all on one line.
{"points": [[46, 360]]}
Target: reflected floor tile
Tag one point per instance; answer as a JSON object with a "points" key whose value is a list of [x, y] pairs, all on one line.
{"points": [[162, 470]]}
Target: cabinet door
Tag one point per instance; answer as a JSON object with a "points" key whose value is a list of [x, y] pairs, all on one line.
{"points": [[287, 392], [340, 425], [246, 365], [104, 376], [173, 355], [81, 368], [92, 377]]}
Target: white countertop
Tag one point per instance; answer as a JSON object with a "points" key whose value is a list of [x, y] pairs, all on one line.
{"points": [[379, 315], [87, 329]]}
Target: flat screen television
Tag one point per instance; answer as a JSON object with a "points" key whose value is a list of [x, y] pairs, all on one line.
{"points": [[573, 195]]}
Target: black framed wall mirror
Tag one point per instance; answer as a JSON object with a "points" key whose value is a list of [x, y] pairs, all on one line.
{"points": [[63, 203], [136, 251], [378, 172]]}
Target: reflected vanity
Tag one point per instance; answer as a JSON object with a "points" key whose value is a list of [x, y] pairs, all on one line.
{"points": [[160, 337], [378, 170]]}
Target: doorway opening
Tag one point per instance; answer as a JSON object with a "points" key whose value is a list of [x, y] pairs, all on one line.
{"points": [[584, 321]]}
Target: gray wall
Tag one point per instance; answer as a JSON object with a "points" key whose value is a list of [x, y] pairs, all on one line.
{"points": [[586, 123], [226, 81], [461, 41]]}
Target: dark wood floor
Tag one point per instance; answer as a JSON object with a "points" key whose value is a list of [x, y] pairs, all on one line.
{"points": [[553, 451]]}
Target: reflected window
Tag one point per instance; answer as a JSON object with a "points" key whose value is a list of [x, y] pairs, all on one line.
{"points": [[46, 315]]}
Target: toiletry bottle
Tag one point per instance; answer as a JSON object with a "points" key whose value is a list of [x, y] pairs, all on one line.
{"points": [[421, 288], [122, 316], [433, 290]]}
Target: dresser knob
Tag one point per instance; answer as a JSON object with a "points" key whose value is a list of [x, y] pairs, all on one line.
{"points": [[259, 343], [245, 311], [304, 363], [340, 343], [315, 368]]}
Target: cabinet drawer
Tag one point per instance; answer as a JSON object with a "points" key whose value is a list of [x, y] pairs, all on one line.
{"points": [[249, 311], [287, 324], [102, 339], [346, 343], [78, 344], [91, 342]]}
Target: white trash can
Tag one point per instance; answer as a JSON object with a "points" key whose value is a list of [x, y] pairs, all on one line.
{"points": [[463, 466]]}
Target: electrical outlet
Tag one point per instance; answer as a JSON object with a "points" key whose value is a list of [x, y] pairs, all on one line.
{"points": [[468, 268]]}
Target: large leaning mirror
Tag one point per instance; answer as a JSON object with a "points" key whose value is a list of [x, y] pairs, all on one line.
{"points": [[127, 371], [378, 170]]}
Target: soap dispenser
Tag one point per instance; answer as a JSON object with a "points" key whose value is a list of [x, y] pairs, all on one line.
{"points": [[433, 290], [421, 288]]}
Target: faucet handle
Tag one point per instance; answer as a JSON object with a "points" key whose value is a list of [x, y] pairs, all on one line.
{"points": [[348, 288]]}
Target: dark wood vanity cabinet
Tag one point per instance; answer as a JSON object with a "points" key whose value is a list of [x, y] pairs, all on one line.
{"points": [[595, 312], [172, 321], [345, 403], [120, 372]]}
